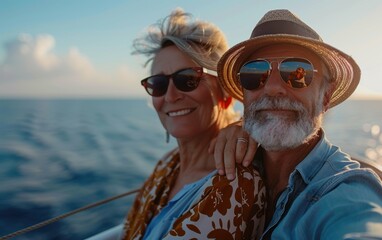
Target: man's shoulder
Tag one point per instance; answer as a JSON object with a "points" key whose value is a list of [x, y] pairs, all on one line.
{"points": [[327, 159], [336, 168], [348, 181]]}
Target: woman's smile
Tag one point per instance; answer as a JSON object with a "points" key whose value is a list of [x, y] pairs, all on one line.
{"points": [[181, 112]]}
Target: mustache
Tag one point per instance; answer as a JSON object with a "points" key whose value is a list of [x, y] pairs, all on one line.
{"points": [[276, 103], [275, 133]]}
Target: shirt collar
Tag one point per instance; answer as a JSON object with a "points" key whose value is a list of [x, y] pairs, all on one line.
{"points": [[312, 163], [309, 166]]}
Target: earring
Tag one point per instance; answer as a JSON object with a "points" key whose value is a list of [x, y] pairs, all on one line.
{"points": [[226, 102], [167, 137]]}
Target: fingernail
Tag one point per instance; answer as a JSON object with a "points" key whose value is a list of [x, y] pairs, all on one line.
{"points": [[221, 172], [230, 176], [246, 164]]}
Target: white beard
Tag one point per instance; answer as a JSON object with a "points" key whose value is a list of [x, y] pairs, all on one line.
{"points": [[277, 133]]}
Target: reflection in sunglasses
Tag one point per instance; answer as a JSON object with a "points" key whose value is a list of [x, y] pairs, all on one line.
{"points": [[296, 72]]}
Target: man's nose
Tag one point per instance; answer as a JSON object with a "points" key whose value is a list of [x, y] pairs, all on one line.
{"points": [[275, 86]]}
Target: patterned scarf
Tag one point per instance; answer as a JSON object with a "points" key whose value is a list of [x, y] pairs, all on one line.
{"points": [[226, 209]]}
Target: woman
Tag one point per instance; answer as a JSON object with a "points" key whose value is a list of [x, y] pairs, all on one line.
{"points": [[185, 197]]}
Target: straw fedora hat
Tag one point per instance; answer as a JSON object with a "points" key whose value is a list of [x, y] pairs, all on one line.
{"points": [[282, 26]]}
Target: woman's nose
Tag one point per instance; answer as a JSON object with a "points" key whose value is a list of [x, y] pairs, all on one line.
{"points": [[172, 93]]}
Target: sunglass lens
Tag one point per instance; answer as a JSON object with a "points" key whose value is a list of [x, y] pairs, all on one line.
{"points": [[156, 85], [296, 72], [186, 80], [254, 74]]}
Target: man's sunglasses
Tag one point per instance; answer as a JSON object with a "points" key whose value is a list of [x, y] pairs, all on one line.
{"points": [[184, 80], [296, 72]]}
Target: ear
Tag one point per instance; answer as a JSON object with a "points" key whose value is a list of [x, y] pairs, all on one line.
{"points": [[226, 102], [328, 96]]}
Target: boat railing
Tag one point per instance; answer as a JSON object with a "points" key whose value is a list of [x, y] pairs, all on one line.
{"points": [[65, 215]]}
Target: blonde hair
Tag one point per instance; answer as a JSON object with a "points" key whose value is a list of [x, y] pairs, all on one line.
{"points": [[202, 41]]}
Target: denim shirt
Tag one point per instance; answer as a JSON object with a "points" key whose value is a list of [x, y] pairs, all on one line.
{"points": [[328, 197]]}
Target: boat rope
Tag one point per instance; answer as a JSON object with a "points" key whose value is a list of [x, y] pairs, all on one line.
{"points": [[65, 215]]}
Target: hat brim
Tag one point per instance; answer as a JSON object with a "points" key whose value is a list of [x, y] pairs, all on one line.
{"points": [[343, 69]]}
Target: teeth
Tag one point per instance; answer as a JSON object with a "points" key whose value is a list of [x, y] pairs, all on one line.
{"points": [[179, 113]]}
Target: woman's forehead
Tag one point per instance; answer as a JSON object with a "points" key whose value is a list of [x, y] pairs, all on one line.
{"points": [[170, 59]]}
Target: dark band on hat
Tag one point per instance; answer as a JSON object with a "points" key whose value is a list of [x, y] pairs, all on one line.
{"points": [[283, 27]]}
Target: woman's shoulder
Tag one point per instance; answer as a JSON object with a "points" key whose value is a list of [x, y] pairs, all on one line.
{"points": [[170, 154], [242, 174], [170, 158], [246, 172], [247, 180]]}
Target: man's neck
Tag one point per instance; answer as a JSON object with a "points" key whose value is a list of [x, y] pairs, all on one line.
{"points": [[279, 165]]}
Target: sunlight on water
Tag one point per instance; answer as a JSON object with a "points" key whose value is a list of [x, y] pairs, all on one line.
{"points": [[374, 149], [379, 150], [375, 130]]}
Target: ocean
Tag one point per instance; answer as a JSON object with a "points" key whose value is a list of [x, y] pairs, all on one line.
{"points": [[59, 155]]}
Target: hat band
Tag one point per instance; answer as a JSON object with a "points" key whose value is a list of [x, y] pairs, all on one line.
{"points": [[283, 27]]}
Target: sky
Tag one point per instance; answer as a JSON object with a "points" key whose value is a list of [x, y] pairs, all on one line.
{"points": [[82, 48]]}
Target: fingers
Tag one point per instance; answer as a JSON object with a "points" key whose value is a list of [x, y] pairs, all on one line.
{"points": [[250, 154], [234, 149], [230, 147], [224, 151], [217, 147], [241, 148], [229, 158]]}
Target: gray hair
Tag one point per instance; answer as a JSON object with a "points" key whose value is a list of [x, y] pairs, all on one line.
{"points": [[202, 41]]}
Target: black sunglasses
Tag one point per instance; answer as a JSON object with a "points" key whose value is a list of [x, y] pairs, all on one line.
{"points": [[296, 72], [184, 80]]}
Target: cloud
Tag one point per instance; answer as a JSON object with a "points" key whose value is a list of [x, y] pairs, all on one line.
{"points": [[29, 58], [31, 68]]}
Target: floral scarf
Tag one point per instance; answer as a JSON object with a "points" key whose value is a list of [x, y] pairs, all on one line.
{"points": [[226, 209]]}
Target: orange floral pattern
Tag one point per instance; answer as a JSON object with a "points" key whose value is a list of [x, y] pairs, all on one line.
{"points": [[226, 209]]}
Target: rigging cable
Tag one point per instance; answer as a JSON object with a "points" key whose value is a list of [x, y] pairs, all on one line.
{"points": [[65, 215]]}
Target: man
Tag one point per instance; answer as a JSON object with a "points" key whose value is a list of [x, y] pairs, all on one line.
{"points": [[314, 191]]}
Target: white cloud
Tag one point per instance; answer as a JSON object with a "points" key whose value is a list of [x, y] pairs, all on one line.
{"points": [[32, 69], [29, 58]]}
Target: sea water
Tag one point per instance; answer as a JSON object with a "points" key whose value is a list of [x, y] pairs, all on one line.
{"points": [[59, 155]]}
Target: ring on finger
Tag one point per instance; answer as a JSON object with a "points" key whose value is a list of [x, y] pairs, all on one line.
{"points": [[241, 139]]}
